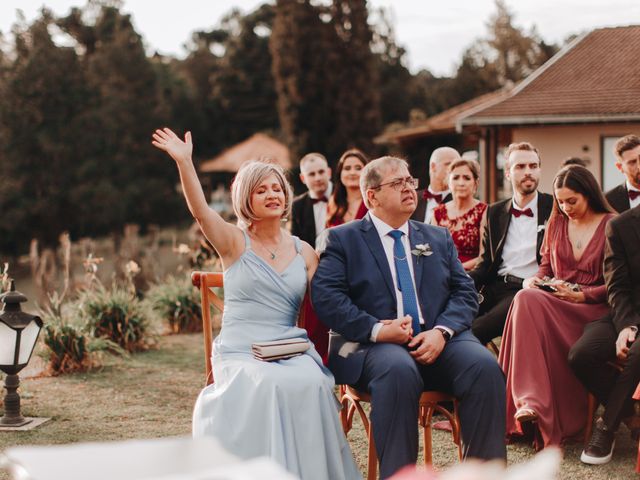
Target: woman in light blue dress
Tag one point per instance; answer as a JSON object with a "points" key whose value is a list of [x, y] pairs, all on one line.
{"points": [[284, 409]]}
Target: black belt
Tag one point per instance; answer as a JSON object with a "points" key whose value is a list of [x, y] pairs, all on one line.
{"points": [[512, 280]]}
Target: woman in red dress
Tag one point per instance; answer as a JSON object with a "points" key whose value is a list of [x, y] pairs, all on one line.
{"points": [[345, 204], [549, 314], [463, 216]]}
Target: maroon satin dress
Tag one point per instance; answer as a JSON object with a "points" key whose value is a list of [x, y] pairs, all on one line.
{"points": [[541, 328]]}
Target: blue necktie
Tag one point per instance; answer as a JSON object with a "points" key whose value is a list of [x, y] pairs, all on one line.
{"points": [[405, 284]]}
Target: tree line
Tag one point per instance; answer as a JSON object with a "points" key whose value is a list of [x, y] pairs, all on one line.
{"points": [[80, 95]]}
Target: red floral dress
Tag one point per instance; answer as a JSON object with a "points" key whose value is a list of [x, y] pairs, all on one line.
{"points": [[464, 229]]}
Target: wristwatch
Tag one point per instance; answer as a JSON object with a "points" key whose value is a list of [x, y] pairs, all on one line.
{"points": [[446, 335]]}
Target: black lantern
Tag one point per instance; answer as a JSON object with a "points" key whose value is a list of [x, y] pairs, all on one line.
{"points": [[18, 335]]}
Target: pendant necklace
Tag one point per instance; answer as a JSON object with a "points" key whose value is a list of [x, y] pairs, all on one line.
{"points": [[579, 241], [272, 253]]}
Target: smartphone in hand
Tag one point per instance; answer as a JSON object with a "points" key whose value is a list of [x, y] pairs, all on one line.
{"points": [[547, 287]]}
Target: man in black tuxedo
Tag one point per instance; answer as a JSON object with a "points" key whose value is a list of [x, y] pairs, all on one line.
{"points": [[627, 195], [438, 191], [511, 241], [613, 337], [309, 210]]}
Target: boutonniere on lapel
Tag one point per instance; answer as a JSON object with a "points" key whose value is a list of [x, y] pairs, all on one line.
{"points": [[422, 250], [541, 227]]}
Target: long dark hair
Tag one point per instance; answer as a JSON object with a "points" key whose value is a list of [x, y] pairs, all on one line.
{"points": [[580, 180], [338, 204]]}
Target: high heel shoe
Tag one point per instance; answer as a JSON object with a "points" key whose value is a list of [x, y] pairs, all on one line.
{"points": [[525, 414]]}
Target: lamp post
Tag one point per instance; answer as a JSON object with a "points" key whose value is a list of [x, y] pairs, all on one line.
{"points": [[18, 335]]}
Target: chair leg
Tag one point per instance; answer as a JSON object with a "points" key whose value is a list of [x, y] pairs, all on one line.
{"points": [[372, 460], [455, 430], [493, 348], [427, 434]]}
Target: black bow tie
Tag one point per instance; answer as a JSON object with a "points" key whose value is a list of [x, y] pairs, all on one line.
{"points": [[516, 213], [319, 199]]}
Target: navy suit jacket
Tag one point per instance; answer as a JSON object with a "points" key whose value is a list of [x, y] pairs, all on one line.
{"points": [[352, 289]]}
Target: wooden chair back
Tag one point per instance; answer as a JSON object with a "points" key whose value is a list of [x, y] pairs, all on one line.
{"points": [[204, 281]]}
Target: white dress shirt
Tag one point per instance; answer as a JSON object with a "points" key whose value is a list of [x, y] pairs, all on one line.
{"points": [[432, 204], [636, 201], [387, 243], [519, 256], [320, 210]]}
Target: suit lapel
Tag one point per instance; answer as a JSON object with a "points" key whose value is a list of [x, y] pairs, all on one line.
{"points": [[421, 209], [636, 221], [310, 215], [544, 211], [503, 221], [372, 239], [416, 238]]}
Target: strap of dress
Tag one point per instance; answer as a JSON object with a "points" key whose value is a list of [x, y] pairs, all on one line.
{"points": [[247, 240], [298, 244]]}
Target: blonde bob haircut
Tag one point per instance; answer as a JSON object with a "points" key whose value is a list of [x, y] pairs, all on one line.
{"points": [[247, 180]]}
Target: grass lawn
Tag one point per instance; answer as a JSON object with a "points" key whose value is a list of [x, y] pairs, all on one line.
{"points": [[151, 395]]}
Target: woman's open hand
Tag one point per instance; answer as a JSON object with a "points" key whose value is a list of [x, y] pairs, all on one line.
{"points": [[179, 150]]}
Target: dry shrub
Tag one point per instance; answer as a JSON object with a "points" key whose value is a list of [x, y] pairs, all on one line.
{"points": [[177, 302], [116, 314]]}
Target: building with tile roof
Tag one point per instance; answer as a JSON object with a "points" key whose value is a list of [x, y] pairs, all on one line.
{"points": [[575, 105]]}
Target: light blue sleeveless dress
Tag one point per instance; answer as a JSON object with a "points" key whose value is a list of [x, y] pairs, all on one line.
{"points": [[285, 410]]}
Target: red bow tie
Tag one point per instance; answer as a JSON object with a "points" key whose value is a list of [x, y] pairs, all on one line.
{"points": [[319, 199], [516, 213], [633, 194], [427, 195]]}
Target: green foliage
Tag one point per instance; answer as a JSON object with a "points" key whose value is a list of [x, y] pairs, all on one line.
{"points": [[506, 55], [117, 315], [74, 129], [325, 76], [177, 302], [69, 348]]}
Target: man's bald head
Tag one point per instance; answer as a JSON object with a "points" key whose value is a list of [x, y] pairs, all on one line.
{"points": [[439, 163]]}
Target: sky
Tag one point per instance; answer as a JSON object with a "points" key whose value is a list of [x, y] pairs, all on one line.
{"points": [[434, 33]]}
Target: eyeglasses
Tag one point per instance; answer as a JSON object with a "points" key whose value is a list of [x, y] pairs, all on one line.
{"points": [[399, 183]]}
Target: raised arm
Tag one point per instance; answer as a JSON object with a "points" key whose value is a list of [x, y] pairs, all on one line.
{"points": [[227, 239]]}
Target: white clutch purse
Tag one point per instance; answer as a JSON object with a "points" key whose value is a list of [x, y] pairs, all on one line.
{"points": [[279, 349]]}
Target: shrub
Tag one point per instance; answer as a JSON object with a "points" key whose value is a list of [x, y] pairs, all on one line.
{"points": [[116, 314], [69, 348], [177, 302]]}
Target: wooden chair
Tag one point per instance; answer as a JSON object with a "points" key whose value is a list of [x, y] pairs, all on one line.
{"points": [[430, 402], [205, 281]]}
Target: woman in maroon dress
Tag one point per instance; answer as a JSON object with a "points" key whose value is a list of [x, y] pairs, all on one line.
{"points": [[463, 216], [345, 204], [543, 325]]}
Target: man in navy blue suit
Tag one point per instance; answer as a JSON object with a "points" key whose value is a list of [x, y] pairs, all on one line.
{"points": [[400, 307]]}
